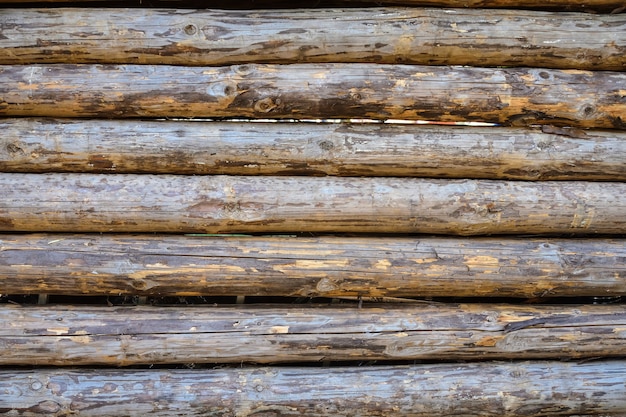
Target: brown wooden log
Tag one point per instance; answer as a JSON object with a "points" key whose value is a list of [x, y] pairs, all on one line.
{"points": [[476, 389], [79, 335], [157, 265], [224, 204], [391, 36], [44, 145], [507, 96]]}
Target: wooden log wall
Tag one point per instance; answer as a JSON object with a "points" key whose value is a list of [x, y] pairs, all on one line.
{"points": [[379, 205]]}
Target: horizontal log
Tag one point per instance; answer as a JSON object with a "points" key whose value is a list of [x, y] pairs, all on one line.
{"points": [[591, 6], [44, 145], [122, 336], [506, 95], [224, 204], [487, 389], [159, 265], [391, 36]]}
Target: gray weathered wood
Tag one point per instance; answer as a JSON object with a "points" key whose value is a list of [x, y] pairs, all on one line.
{"points": [[507, 95], [161, 265], [228, 204], [122, 336], [480, 389], [392, 35], [120, 146], [592, 6]]}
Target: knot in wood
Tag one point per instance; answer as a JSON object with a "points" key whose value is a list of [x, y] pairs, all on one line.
{"points": [[266, 105], [190, 30]]}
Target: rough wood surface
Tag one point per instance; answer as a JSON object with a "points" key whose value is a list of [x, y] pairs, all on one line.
{"points": [[393, 35], [44, 145], [481, 389], [122, 336], [161, 265], [591, 6], [507, 96], [228, 204]]}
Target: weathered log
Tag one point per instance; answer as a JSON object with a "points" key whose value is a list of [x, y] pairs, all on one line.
{"points": [[476, 389], [227, 204], [310, 267], [592, 6], [78, 335], [391, 36], [44, 145], [507, 96]]}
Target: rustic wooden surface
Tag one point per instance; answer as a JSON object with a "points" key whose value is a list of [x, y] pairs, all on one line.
{"points": [[591, 6], [392, 36], [120, 146], [161, 265], [507, 95], [122, 336], [486, 389], [229, 204]]}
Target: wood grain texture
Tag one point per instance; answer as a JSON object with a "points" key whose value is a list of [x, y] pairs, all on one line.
{"points": [[507, 96], [487, 389], [225, 204], [121, 146], [122, 336], [393, 35], [591, 6], [164, 265]]}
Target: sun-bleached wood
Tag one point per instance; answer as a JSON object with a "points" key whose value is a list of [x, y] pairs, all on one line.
{"points": [[391, 35], [492, 389], [122, 336], [165, 265], [177, 147], [254, 204], [511, 96], [591, 6]]}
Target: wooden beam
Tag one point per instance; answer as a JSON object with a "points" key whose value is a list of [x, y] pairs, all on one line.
{"points": [[525, 389], [506, 95], [163, 265], [225, 204], [123, 336], [44, 145], [591, 6], [391, 36]]}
